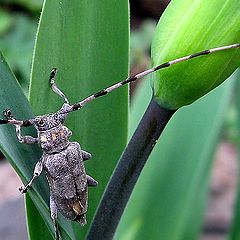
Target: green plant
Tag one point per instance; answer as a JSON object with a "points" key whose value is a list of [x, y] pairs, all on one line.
{"points": [[82, 40]]}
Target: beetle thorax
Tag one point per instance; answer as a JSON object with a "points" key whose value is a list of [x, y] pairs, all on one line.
{"points": [[55, 139]]}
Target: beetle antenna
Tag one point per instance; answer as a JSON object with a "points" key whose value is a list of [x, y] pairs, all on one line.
{"points": [[55, 87], [146, 72], [11, 120]]}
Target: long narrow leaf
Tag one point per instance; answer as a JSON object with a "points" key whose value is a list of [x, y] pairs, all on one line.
{"points": [[81, 39], [40, 229]]}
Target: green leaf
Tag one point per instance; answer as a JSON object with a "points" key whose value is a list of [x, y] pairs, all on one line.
{"points": [[83, 42], [168, 200], [37, 226], [188, 27]]}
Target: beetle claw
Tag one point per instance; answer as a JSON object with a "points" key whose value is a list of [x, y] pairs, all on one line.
{"points": [[23, 190]]}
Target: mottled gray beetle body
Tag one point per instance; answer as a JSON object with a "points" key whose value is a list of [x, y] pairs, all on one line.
{"points": [[68, 182], [62, 162]]}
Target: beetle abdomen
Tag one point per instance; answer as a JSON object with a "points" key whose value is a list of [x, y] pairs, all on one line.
{"points": [[68, 182]]}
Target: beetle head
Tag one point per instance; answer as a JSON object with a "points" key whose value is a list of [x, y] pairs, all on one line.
{"points": [[48, 121]]}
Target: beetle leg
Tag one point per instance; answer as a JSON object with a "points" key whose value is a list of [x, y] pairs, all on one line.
{"points": [[24, 139], [53, 210], [86, 155], [37, 172], [91, 181]]}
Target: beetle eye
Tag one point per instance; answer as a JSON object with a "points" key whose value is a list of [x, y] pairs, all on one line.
{"points": [[41, 122]]}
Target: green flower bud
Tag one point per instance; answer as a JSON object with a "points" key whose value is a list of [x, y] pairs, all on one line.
{"points": [[187, 27]]}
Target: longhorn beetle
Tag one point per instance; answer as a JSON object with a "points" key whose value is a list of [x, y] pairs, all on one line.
{"points": [[62, 160]]}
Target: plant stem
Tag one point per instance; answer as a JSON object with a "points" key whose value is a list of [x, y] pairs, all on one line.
{"points": [[128, 170]]}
